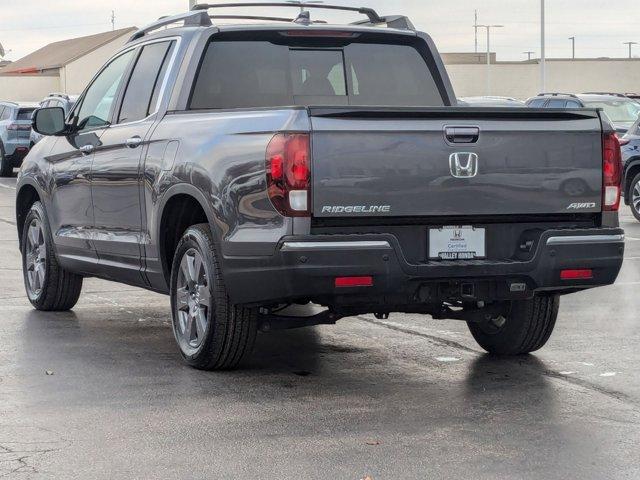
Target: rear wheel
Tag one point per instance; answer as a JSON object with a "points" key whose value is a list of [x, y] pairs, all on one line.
{"points": [[634, 197], [525, 329], [49, 286], [6, 167], [212, 334]]}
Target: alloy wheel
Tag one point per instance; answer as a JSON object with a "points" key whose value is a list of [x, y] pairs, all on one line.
{"points": [[635, 197], [36, 258], [193, 301]]}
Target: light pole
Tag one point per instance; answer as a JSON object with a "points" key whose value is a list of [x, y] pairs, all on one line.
{"points": [[528, 54], [475, 27], [489, 27], [573, 47], [543, 57], [631, 44]]}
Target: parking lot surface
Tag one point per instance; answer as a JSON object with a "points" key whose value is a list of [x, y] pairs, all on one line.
{"points": [[101, 392]]}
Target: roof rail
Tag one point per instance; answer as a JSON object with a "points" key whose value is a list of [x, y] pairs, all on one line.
{"points": [[370, 13], [612, 94], [59, 95], [557, 94], [190, 19]]}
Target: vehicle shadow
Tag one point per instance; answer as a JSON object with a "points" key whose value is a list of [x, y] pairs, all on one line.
{"points": [[106, 353]]}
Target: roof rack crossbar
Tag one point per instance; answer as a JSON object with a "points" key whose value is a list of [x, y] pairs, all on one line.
{"points": [[370, 13], [400, 22], [190, 19]]}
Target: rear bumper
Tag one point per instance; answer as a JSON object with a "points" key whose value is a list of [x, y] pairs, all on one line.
{"points": [[305, 268], [16, 150]]}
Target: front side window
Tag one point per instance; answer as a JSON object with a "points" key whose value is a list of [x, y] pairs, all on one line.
{"points": [[537, 103], [557, 103], [99, 97], [317, 74], [144, 80], [246, 74]]}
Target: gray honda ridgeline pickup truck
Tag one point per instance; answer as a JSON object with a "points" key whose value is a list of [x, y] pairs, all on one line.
{"points": [[251, 170]]}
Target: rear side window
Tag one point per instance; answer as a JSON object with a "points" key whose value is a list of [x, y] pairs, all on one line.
{"points": [[6, 114], [262, 74], [25, 113], [144, 80], [573, 104]]}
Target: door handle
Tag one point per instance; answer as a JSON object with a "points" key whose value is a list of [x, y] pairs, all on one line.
{"points": [[462, 134], [133, 142], [87, 149]]}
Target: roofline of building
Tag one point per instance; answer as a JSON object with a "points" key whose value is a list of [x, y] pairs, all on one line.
{"points": [[124, 31], [6, 69]]}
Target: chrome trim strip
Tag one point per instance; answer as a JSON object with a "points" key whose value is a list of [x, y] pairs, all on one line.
{"points": [[585, 239], [347, 245]]}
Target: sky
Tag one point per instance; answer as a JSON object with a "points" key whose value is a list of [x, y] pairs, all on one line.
{"points": [[600, 27]]}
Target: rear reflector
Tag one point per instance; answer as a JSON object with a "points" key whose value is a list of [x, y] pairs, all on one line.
{"points": [[585, 274], [612, 172], [346, 282]]}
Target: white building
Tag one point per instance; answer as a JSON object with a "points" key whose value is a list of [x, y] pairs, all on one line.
{"points": [[65, 66], [468, 72]]}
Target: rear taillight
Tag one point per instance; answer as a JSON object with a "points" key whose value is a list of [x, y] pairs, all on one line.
{"points": [[612, 172], [289, 173]]}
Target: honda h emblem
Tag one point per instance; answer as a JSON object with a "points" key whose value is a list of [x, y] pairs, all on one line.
{"points": [[463, 165]]}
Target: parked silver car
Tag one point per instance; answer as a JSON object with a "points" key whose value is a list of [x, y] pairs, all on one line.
{"points": [[62, 100], [15, 127]]}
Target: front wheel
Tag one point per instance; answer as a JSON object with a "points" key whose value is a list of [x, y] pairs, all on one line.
{"points": [[49, 286], [212, 334], [634, 197], [525, 329]]}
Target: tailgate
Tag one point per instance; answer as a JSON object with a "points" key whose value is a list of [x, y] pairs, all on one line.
{"points": [[430, 162]]}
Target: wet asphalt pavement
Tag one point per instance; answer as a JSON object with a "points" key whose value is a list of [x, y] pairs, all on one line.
{"points": [[101, 392]]}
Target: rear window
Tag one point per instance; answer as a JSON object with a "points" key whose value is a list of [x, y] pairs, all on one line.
{"points": [[245, 74], [620, 111], [25, 113]]}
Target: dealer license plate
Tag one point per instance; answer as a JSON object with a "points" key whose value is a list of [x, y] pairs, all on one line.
{"points": [[457, 243]]}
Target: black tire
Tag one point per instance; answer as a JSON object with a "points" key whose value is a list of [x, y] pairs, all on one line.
{"points": [[59, 289], [6, 167], [230, 331], [635, 184], [526, 329]]}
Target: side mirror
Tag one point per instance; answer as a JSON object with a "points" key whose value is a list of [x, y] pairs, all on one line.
{"points": [[49, 121]]}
